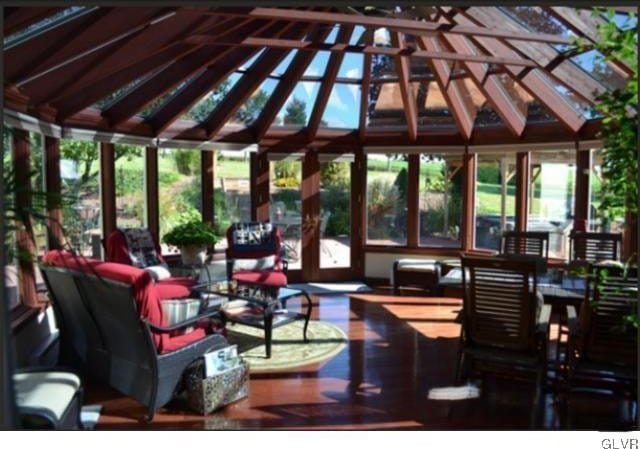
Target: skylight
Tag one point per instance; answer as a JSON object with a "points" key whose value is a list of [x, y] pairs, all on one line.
{"points": [[207, 104], [284, 64], [298, 107], [351, 66], [343, 107], [318, 64]]}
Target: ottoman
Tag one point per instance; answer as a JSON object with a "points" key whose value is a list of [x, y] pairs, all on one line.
{"points": [[423, 273]]}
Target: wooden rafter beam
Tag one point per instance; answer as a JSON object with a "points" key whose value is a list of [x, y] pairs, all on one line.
{"points": [[567, 73], [538, 86], [454, 91], [295, 70], [114, 25], [250, 81], [364, 96], [340, 47], [406, 91], [165, 80], [199, 87], [491, 87], [330, 74], [404, 25], [154, 40], [586, 25]]}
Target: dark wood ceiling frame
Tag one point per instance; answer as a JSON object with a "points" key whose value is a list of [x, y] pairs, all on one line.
{"points": [[163, 37], [586, 25], [359, 49], [454, 91], [567, 73], [330, 74], [167, 79], [39, 47], [404, 25], [491, 87], [534, 82], [16, 19], [366, 87], [406, 91], [280, 94], [246, 86], [199, 87], [114, 25]]}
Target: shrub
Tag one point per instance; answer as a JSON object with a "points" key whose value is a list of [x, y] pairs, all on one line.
{"points": [[193, 232], [187, 161]]}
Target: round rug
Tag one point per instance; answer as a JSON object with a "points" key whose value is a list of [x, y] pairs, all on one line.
{"points": [[288, 349]]}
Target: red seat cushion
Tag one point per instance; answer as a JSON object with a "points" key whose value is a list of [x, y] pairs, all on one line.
{"points": [[145, 291], [271, 278], [174, 288]]}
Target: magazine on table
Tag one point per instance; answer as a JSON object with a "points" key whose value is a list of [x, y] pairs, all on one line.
{"points": [[220, 360]]}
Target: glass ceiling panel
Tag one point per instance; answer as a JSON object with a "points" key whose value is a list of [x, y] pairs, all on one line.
{"points": [[318, 64], [116, 95], [351, 66], [357, 35], [624, 21], [249, 62], [251, 109], [487, 116], [331, 38], [539, 20], [284, 64], [205, 105], [297, 109], [594, 64], [538, 113], [432, 105], [385, 106], [343, 107], [580, 106]]}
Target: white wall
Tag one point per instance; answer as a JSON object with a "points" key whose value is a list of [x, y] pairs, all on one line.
{"points": [[379, 265]]}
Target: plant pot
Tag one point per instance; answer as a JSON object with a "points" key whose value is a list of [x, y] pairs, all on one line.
{"points": [[193, 254]]}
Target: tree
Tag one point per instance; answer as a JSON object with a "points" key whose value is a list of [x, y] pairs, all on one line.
{"points": [[85, 154], [249, 111], [296, 113], [620, 123], [204, 107]]}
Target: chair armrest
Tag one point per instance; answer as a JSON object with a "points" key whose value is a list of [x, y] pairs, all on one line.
{"points": [[542, 326], [572, 321], [181, 324]]}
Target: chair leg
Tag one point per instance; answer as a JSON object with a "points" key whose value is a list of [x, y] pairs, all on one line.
{"points": [[538, 403]]}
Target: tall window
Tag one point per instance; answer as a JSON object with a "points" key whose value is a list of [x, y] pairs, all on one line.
{"points": [[11, 283], [79, 173], [130, 198], [440, 200], [231, 190], [286, 206], [495, 199], [335, 213], [387, 184], [179, 188], [551, 202]]}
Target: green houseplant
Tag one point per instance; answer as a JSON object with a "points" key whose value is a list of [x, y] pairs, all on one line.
{"points": [[192, 237]]}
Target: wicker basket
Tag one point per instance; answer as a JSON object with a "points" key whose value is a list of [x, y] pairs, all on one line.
{"points": [[207, 394]]}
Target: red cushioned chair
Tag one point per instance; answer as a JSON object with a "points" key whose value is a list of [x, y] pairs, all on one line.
{"points": [[134, 246], [122, 330], [254, 254]]}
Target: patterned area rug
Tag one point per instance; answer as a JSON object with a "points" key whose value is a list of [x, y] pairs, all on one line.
{"points": [[288, 349]]}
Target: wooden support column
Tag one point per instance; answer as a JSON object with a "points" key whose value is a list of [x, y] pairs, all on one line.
{"points": [[206, 171], [310, 191], [358, 212], [25, 245], [108, 187], [522, 191], [504, 173], [469, 161], [55, 235], [259, 186], [581, 194], [151, 190], [413, 215]]}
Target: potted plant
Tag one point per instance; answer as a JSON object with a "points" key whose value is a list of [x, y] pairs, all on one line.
{"points": [[192, 237]]}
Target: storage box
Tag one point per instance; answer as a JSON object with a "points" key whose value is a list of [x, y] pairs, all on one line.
{"points": [[207, 394]]}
